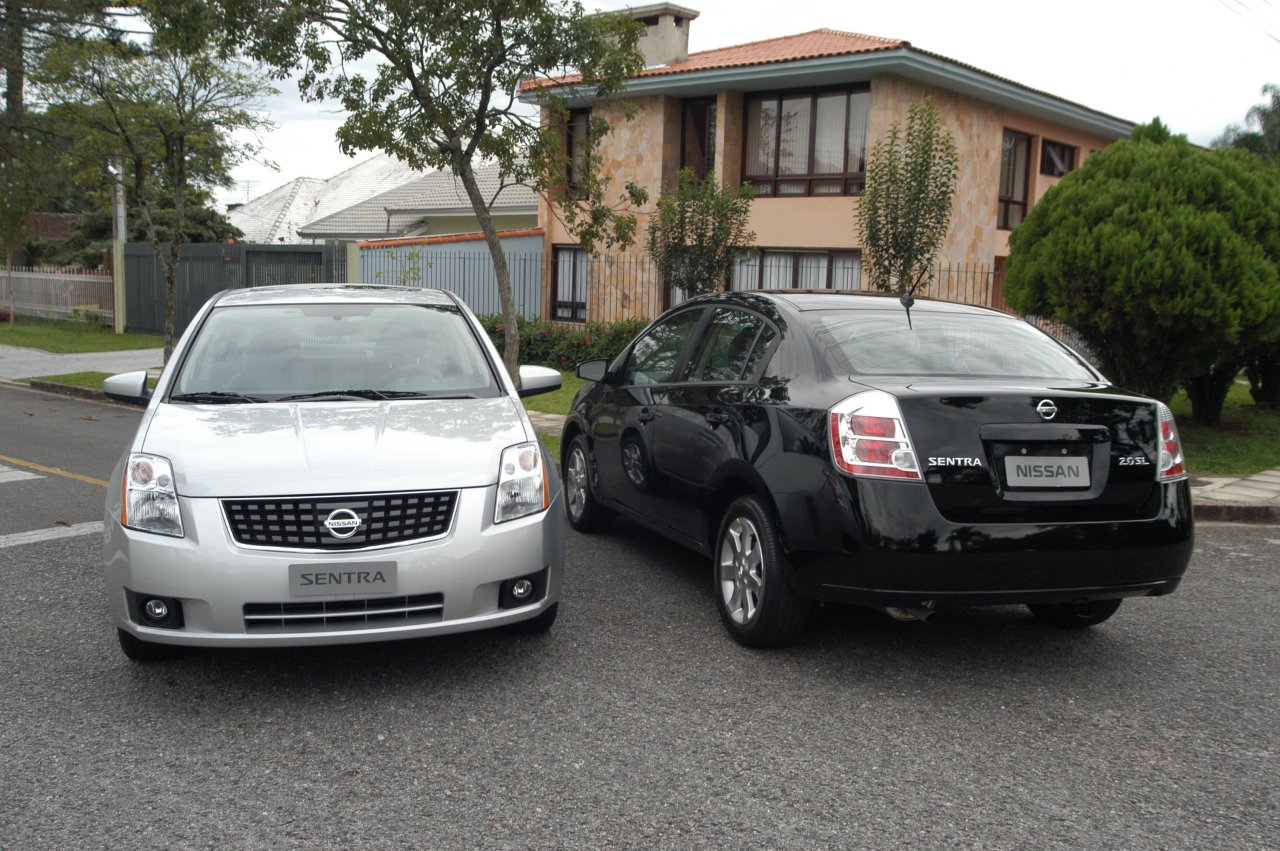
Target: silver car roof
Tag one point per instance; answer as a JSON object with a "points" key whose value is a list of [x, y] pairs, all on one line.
{"points": [[332, 293]]}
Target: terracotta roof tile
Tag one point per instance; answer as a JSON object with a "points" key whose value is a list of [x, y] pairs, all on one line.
{"points": [[789, 48]]}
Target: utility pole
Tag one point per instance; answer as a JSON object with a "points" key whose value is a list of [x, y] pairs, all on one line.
{"points": [[118, 236]]}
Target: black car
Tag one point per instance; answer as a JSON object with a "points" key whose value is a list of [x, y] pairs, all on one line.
{"points": [[842, 447]]}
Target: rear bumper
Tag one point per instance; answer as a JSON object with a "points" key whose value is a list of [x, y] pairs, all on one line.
{"points": [[884, 543]]}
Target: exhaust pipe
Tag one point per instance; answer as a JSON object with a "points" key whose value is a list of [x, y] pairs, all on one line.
{"points": [[910, 613]]}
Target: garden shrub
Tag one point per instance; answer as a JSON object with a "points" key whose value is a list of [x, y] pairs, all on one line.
{"points": [[565, 346]]}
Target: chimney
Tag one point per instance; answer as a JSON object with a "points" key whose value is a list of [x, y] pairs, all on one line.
{"points": [[666, 32]]}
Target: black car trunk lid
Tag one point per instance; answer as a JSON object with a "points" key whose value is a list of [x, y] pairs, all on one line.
{"points": [[1015, 454]]}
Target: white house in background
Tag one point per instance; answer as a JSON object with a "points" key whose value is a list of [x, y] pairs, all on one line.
{"points": [[276, 216], [428, 205], [379, 198]]}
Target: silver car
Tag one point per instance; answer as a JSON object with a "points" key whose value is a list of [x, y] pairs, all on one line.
{"points": [[327, 464]]}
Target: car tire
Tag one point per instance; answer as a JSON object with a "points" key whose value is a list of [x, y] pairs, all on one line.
{"points": [[752, 590], [1075, 615], [144, 651], [541, 623], [585, 513]]}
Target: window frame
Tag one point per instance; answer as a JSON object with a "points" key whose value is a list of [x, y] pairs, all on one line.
{"points": [[851, 182], [1047, 162], [577, 309], [708, 165], [830, 254], [1006, 203], [698, 315], [574, 147]]}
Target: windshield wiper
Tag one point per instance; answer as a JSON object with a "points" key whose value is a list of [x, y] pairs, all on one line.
{"points": [[327, 395], [216, 397]]}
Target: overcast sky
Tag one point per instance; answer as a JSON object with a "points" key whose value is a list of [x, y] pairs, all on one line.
{"points": [[1198, 64]]}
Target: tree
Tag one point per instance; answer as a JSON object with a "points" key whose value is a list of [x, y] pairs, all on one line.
{"points": [[1261, 131], [697, 232], [1164, 256], [1261, 135], [434, 83], [169, 118], [906, 205]]}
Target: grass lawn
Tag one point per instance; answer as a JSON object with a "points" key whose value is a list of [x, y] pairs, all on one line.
{"points": [[559, 401], [90, 380], [63, 337], [1247, 441]]}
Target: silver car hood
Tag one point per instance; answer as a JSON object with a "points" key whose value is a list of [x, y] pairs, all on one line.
{"points": [[293, 448]]}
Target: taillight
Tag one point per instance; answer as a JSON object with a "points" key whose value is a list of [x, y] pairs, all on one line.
{"points": [[1172, 466], [869, 437]]}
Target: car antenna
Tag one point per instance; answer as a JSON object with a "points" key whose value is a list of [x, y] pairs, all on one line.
{"points": [[906, 299]]}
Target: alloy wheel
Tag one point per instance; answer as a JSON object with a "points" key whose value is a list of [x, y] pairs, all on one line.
{"points": [[741, 569]]}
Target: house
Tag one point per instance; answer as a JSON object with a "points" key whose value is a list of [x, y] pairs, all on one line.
{"points": [[796, 116], [378, 198], [277, 216], [428, 204]]}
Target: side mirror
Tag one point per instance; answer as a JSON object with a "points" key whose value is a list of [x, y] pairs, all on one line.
{"points": [[593, 370], [539, 379], [129, 387]]}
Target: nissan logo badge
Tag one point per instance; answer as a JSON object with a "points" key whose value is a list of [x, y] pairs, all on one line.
{"points": [[342, 523], [1046, 409]]}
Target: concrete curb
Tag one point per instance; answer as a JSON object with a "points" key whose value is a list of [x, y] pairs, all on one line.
{"points": [[65, 390], [1236, 512]]}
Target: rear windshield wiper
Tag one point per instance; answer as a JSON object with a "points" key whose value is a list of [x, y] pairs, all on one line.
{"points": [[216, 397], [328, 395]]}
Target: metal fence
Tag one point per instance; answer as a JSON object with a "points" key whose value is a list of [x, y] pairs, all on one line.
{"points": [[207, 268], [469, 275], [57, 294]]}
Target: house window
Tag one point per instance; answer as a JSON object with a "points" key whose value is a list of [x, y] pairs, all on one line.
{"points": [[698, 139], [575, 146], [569, 301], [1056, 159], [770, 269], [806, 143], [1015, 155]]}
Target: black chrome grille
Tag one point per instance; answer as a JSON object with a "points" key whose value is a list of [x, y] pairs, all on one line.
{"points": [[298, 522], [314, 616]]}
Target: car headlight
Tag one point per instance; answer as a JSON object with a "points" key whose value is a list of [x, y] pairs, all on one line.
{"points": [[150, 501], [522, 483]]}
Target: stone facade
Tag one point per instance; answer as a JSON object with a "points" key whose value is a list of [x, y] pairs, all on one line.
{"points": [[646, 150]]}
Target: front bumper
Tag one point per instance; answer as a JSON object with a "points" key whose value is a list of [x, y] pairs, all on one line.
{"points": [[884, 543], [214, 579]]}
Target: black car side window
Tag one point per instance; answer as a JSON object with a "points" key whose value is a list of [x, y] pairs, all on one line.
{"points": [[730, 348], [654, 357]]}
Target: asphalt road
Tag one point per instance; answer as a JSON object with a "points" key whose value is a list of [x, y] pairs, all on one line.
{"points": [[637, 723]]}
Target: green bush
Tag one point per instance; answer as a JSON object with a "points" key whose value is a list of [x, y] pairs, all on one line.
{"points": [[565, 346]]}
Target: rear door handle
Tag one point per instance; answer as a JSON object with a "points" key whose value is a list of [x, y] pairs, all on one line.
{"points": [[715, 418]]}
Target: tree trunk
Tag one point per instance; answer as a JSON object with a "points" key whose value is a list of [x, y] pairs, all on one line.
{"points": [[511, 330], [15, 109], [1264, 377], [1208, 392]]}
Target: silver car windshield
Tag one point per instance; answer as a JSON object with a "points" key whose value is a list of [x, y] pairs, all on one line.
{"points": [[258, 353], [881, 343]]}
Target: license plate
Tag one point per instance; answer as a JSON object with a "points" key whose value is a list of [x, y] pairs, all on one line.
{"points": [[374, 577], [1035, 471]]}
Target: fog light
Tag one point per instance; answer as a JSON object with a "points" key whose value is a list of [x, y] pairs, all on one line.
{"points": [[154, 611], [523, 590]]}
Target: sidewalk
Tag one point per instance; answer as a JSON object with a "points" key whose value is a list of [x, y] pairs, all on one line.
{"points": [[18, 362], [1255, 499]]}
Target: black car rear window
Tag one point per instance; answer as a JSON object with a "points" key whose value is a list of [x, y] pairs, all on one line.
{"points": [[881, 343]]}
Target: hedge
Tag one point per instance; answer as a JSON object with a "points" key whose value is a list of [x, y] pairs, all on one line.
{"points": [[565, 346]]}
